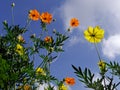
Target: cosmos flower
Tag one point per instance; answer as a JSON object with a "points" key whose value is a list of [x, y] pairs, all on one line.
{"points": [[63, 87], [27, 87], [19, 49], [48, 39], [40, 71], [94, 34], [74, 22], [102, 65], [34, 15], [69, 81], [46, 17]]}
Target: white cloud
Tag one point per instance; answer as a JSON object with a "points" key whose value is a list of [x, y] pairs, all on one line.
{"points": [[92, 12], [43, 86], [79, 9], [111, 46], [105, 13]]}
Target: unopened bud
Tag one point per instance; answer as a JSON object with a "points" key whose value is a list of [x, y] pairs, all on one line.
{"points": [[20, 39], [5, 21], [32, 36], [68, 29], [51, 49], [54, 31], [60, 47], [13, 4], [54, 20]]}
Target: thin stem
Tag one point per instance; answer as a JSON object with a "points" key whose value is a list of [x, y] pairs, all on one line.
{"points": [[28, 23], [41, 34], [100, 60], [15, 86], [40, 64], [12, 16], [97, 51]]}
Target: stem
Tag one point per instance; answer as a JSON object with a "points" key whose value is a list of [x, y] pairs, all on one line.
{"points": [[14, 86], [40, 65], [100, 60], [12, 16], [41, 34], [97, 51], [28, 23]]}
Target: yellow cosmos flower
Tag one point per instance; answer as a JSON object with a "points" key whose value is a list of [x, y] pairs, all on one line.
{"points": [[63, 87], [102, 65], [40, 71], [19, 49], [94, 35]]}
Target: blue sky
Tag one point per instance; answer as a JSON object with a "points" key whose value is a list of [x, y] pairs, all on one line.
{"points": [[78, 51]]}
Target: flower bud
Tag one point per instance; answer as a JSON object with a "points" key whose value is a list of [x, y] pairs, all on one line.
{"points": [[5, 21], [13, 4], [51, 49], [68, 30], [102, 66], [54, 20], [33, 36], [20, 39], [60, 47], [54, 31]]}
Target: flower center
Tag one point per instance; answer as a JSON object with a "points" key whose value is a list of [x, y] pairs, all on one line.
{"points": [[45, 18], [92, 35], [33, 15], [73, 23]]}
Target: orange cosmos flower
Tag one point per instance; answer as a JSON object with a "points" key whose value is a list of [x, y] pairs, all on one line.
{"points": [[46, 17], [74, 22], [69, 81], [34, 15], [48, 39]]}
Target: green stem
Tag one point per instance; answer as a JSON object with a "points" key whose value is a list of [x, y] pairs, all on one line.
{"points": [[28, 23], [12, 16], [14, 86], [97, 51], [100, 60]]}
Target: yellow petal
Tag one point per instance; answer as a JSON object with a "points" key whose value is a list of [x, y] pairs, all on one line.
{"points": [[86, 33], [90, 29], [97, 40], [96, 29]]}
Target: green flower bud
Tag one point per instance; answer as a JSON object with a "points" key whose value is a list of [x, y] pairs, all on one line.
{"points": [[13, 4]]}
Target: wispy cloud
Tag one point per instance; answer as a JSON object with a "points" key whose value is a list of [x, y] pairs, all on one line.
{"points": [[74, 40], [96, 12]]}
